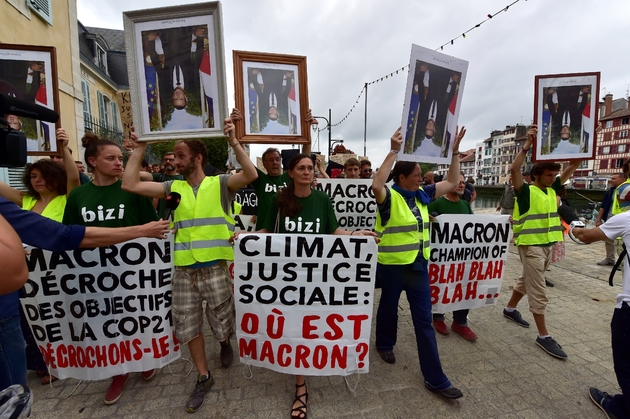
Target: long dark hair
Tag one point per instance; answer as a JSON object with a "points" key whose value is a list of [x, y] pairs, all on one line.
{"points": [[404, 168], [93, 145], [288, 205], [53, 173]]}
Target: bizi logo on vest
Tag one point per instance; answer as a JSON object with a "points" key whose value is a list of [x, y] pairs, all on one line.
{"points": [[301, 226]]}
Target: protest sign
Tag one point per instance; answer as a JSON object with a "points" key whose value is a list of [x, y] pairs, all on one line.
{"points": [[468, 256], [304, 303], [248, 199], [96, 313], [353, 201]]}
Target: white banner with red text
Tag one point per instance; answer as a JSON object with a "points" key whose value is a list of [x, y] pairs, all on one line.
{"points": [[304, 303], [97, 313], [468, 256]]}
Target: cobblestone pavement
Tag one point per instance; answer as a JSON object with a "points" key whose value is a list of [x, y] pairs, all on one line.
{"points": [[502, 375]]}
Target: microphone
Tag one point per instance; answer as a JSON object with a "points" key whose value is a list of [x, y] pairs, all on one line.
{"points": [[567, 214], [172, 202], [17, 107]]}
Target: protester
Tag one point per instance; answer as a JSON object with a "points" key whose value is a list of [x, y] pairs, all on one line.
{"points": [[351, 168], [103, 203], [617, 406], [429, 178], [536, 211], [38, 231], [48, 184], [366, 169], [605, 213], [82, 176], [453, 203], [204, 226], [14, 270], [267, 184], [298, 201], [470, 194], [506, 203], [402, 221]]}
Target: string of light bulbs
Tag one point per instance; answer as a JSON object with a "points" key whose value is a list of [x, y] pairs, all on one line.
{"points": [[441, 48]]}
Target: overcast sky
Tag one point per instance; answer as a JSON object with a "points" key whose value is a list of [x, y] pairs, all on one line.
{"points": [[350, 42]]}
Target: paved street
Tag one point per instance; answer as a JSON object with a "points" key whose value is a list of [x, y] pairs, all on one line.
{"points": [[502, 375]]}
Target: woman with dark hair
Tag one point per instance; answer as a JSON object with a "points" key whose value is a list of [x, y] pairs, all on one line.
{"points": [[402, 222], [294, 207], [48, 184], [103, 203]]}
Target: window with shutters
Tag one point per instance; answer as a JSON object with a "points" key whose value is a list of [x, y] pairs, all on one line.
{"points": [[43, 8], [87, 106], [103, 109], [114, 117], [101, 58]]}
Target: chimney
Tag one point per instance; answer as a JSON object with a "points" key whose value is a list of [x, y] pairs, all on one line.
{"points": [[608, 104]]}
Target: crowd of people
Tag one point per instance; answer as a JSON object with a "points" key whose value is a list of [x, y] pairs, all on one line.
{"points": [[204, 229]]}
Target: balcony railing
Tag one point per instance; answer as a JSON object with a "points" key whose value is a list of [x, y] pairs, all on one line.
{"points": [[96, 126]]}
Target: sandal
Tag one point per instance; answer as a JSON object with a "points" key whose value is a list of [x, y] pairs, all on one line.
{"points": [[301, 410], [47, 379]]}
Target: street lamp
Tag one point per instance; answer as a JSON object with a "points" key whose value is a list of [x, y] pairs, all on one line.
{"points": [[328, 126]]}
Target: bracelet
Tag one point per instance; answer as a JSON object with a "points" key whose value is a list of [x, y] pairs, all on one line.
{"points": [[393, 151], [234, 145], [524, 150], [352, 232], [455, 151]]}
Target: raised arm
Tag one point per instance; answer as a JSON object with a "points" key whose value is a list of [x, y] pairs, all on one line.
{"points": [[380, 179], [72, 171], [452, 179], [131, 179], [249, 173], [515, 169], [14, 270], [320, 167], [309, 120], [10, 193]]}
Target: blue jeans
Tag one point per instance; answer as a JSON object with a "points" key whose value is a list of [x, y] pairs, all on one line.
{"points": [[12, 353], [414, 280], [619, 326]]}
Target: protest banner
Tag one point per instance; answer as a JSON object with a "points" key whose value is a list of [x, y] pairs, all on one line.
{"points": [[124, 107], [468, 256], [248, 199], [304, 303], [353, 201], [96, 313]]}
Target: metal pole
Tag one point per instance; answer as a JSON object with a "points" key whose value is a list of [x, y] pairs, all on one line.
{"points": [[329, 133], [365, 123]]}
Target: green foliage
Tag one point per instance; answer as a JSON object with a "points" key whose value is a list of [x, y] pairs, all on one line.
{"points": [[427, 167]]}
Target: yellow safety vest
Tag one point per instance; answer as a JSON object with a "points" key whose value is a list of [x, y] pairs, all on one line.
{"points": [[203, 228], [400, 239], [54, 210], [541, 224], [616, 208]]}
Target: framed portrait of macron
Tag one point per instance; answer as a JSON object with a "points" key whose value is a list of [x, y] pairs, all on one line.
{"points": [[29, 73], [271, 91], [435, 86], [176, 71], [565, 110]]}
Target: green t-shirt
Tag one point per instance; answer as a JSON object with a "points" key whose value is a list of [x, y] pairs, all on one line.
{"points": [[522, 196], [266, 187], [163, 177], [107, 206], [317, 217], [444, 206]]}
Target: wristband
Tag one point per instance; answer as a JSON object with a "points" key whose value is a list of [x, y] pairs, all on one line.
{"points": [[524, 151], [234, 145], [352, 232], [393, 151]]}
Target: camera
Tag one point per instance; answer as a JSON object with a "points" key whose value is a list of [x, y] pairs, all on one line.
{"points": [[12, 146]]}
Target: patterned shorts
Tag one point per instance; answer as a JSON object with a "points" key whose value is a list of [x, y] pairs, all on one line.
{"points": [[191, 286]]}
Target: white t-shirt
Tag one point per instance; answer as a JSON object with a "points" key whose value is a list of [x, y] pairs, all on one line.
{"points": [[619, 226]]}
